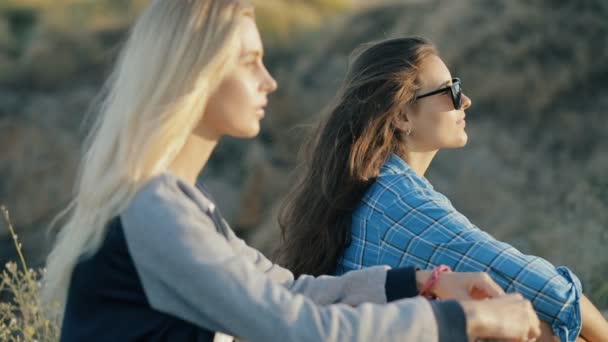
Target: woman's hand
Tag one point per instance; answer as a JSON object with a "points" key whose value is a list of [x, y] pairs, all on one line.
{"points": [[509, 317], [461, 285]]}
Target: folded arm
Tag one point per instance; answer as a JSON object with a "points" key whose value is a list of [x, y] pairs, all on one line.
{"points": [[428, 231], [189, 270], [378, 284]]}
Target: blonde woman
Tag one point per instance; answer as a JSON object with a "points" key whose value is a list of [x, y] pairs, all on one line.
{"points": [[145, 254]]}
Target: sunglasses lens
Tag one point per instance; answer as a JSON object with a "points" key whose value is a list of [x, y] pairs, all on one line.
{"points": [[457, 95]]}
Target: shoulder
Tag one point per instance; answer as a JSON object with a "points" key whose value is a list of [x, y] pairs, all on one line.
{"points": [[400, 187], [170, 191], [165, 199], [396, 194]]}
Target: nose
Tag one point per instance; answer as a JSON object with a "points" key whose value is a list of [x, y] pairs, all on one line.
{"points": [[269, 84], [466, 102], [272, 84]]}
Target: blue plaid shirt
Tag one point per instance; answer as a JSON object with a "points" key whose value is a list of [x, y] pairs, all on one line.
{"points": [[403, 221]]}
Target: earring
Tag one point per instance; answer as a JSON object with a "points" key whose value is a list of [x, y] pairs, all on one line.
{"points": [[409, 131]]}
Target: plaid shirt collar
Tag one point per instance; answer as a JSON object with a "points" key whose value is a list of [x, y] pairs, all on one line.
{"points": [[397, 166]]}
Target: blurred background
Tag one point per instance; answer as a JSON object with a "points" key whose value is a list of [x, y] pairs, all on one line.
{"points": [[533, 173]]}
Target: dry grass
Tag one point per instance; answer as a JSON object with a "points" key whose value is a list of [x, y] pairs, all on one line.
{"points": [[22, 316]]}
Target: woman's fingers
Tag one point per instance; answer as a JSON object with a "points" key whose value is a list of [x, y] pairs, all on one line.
{"points": [[483, 287], [536, 331], [467, 285], [507, 317], [479, 293]]}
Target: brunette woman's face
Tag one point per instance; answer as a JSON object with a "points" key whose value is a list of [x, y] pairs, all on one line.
{"points": [[434, 122], [237, 106]]}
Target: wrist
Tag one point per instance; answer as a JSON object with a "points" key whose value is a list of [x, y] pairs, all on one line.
{"points": [[422, 277], [428, 288], [472, 317]]}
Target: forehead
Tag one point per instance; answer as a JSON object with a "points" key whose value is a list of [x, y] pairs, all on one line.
{"points": [[433, 73], [249, 36]]}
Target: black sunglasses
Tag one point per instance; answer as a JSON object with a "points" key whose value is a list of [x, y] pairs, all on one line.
{"points": [[455, 90]]}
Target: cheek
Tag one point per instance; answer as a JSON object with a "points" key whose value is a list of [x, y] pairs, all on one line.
{"points": [[439, 129], [231, 109], [231, 97], [229, 101], [433, 126], [452, 134]]}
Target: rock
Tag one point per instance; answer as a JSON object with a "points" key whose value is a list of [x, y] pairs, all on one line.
{"points": [[37, 167], [52, 59]]}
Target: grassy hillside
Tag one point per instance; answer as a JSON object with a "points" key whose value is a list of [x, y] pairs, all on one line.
{"points": [[533, 173]]}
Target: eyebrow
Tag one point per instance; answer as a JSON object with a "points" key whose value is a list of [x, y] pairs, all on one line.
{"points": [[444, 84], [256, 54]]}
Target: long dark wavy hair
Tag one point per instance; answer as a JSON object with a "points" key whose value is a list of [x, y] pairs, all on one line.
{"points": [[343, 156]]}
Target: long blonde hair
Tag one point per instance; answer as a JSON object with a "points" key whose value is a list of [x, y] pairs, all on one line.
{"points": [[172, 61]]}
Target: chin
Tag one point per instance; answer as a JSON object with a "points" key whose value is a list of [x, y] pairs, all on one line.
{"points": [[251, 135], [464, 141], [460, 141], [251, 132]]}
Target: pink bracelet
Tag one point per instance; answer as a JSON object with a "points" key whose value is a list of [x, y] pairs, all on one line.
{"points": [[426, 290]]}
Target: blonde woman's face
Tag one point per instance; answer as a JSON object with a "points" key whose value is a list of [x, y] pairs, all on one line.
{"points": [[237, 106], [435, 123]]}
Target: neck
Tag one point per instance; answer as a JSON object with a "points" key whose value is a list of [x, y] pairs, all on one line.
{"points": [[419, 161], [192, 158]]}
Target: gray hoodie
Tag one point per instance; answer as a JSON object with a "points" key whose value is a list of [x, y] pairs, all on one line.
{"points": [[194, 270]]}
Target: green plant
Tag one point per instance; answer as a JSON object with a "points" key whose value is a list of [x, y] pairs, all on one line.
{"points": [[22, 315]]}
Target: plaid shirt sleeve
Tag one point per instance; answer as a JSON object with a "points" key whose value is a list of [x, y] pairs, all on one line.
{"points": [[423, 229]]}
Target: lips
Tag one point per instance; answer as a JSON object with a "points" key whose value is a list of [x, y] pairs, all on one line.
{"points": [[261, 111], [462, 121]]}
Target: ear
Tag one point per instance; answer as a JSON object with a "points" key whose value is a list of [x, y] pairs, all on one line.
{"points": [[401, 122]]}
